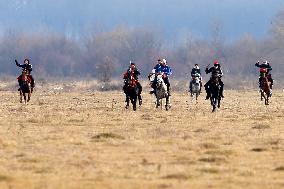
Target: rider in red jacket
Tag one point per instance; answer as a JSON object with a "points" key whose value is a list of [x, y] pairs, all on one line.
{"points": [[134, 72]]}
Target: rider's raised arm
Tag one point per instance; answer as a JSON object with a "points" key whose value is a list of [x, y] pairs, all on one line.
{"points": [[207, 71], [257, 64], [17, 64]]}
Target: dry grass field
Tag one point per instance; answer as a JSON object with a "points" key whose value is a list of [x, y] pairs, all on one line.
{"points": [[69, 140]]}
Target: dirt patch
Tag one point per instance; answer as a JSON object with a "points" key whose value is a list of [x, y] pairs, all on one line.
{"points": [[107, 136], [261, 126]]}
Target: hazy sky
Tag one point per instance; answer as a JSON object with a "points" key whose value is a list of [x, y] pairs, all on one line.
{"points": [[173, 17]]}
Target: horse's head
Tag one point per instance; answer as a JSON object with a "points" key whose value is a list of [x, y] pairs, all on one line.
{"points": [[131, 82], [196, 78], [24, 76], [160, 80], [151, 77], [215, 79]]}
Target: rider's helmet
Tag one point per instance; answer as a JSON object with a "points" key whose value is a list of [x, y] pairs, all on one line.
{"points": [[164, 61], [216, 63], [26, 61], [132, 65], [196, 66]]}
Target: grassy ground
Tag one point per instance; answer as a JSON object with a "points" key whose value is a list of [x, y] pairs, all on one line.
{"points": [[88, 140]]}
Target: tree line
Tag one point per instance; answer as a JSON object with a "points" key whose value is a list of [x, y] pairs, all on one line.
{"points": [[104, 55]]}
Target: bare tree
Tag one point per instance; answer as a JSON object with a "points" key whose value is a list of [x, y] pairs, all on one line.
{"points": [[105, 70]]}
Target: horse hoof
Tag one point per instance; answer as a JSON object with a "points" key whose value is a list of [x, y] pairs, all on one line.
{"points": [[126, 107]]}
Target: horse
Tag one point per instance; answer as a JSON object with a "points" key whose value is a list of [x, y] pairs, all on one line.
{"points": [[25, 87], [214, 90], [161, 92], [265, 90], [195, 86], [131, 91]]}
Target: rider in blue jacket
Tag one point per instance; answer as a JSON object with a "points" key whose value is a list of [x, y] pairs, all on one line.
{"points": [[162, 67]]}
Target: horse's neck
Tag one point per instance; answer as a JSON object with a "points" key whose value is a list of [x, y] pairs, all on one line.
{"points": [[24, 78]]}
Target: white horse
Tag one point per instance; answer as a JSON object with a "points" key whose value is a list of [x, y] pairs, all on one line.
{"points": [[195, 85], [161, 92]]}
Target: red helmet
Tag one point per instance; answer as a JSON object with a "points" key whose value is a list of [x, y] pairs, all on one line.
{"points": [[216, 62]]}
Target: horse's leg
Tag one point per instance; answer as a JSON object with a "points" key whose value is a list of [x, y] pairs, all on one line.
{"points": [[167, 103], [29, 96], [127, 102], [219, 102], [134, 102], [213, 103], [21, 97], [266, 99], [25, 97], [157, 103]]}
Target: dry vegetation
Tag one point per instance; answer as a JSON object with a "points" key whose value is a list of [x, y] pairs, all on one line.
{"points": [[88, 140]]}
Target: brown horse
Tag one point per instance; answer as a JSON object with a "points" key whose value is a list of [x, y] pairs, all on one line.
{"points": [[131, 91], [25, 87], [265, 90]]}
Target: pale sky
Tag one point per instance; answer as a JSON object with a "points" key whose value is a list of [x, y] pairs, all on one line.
{"points": [[173, 17]]}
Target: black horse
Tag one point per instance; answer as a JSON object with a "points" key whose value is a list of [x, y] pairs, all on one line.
{"points": [[131, 91], [214, 89]]}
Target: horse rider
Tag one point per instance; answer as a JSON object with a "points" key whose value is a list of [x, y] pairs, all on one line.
{"points": [[28, 68], [216, 71], [162, 67], [134, 72], [195, 71], [264, 70]]}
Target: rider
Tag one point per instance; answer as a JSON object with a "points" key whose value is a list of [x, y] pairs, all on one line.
{"points": [[162, 67], [28, 68], [264, 70], [195, 70], [215, 70], [133, 71]]}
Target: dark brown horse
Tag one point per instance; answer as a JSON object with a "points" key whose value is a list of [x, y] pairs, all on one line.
{"points": [[25, 87], [265, 90], [131, 91], [214, 88]]}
